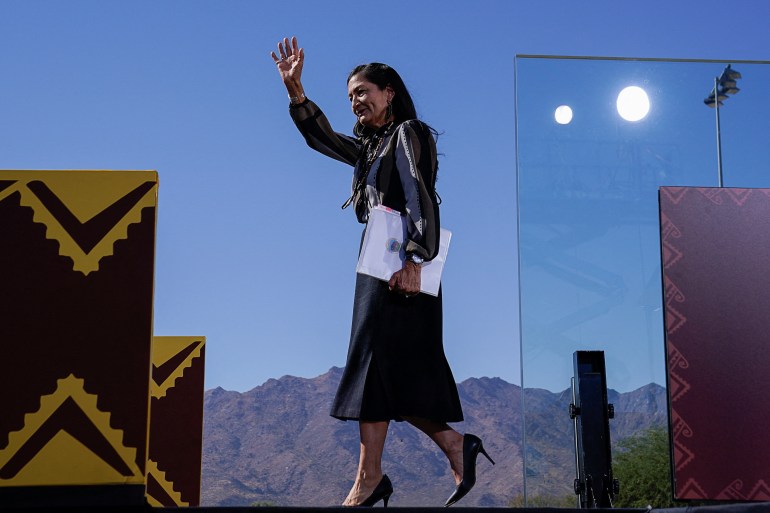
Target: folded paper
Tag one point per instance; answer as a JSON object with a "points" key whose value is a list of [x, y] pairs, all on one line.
{"points": [[382, 252]]}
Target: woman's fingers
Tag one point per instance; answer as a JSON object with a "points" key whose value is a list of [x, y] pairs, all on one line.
{"points": [[401, 283], [299, 57], [287, 46], [392, 281]]}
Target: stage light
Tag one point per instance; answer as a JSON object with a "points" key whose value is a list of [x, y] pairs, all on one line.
{"points": [[725, 85], [563, 114], [633, 103]]}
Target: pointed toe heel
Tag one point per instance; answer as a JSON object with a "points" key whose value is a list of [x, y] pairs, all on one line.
{"points": [[382, 492], [472, 446]]}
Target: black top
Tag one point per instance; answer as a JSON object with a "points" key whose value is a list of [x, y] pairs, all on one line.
{"points": [[395, 367], [406, 150]]}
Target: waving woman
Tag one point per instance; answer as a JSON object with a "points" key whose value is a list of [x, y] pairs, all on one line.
{"points": [[396, 369]]}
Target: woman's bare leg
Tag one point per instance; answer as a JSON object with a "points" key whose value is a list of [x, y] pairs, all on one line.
{"points": [[448, 440], [369, 462]]}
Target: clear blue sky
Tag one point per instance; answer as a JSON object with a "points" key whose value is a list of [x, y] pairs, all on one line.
{"points": [[188, 88]]}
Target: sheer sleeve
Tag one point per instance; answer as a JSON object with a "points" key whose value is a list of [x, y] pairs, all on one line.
{"points": [[417, 166], [320, 136]]}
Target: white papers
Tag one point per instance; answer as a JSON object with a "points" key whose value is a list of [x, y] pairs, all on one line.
{"points": [[382, 253]]}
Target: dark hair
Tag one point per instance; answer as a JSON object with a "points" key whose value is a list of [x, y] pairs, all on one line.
{"points": [[383, 76]]}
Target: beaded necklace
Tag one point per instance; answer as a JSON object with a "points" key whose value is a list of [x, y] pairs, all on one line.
{"points": [[372, 149]]}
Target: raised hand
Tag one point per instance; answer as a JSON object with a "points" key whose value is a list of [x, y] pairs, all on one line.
{"points": [[290, 62]]}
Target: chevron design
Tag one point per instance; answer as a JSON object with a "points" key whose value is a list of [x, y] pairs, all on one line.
{"points": [[692, 490], [160, 491], [708, 465], [86, 215], [674, 194], [739, 196], [170, 360], [713, 194], [68, 441]]}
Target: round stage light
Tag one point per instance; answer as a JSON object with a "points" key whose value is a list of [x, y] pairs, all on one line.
{"points": [[633, 103], [563, 114]]}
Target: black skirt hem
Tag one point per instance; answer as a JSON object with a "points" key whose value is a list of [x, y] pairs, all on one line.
{"points": [[396, 419]]}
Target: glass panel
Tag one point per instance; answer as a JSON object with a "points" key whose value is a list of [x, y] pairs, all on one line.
{"points": [[588, 224]]}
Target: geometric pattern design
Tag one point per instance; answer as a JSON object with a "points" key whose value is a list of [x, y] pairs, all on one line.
{"points": [[160, 491], [734, 492], [673, 194], [713, 250], [176, 421], [681, 433], [691, 491], [84, 226], [677, 363], [739, 196], [669, 234], [68, 441], [76, 271], [169, 361]]}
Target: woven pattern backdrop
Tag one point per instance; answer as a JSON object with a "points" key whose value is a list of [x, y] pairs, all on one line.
{"points": [[715, 245]]}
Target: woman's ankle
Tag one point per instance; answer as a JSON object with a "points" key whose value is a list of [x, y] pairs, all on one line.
{"points": [[370, 478]]}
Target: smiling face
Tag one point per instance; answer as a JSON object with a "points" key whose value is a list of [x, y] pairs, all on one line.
{"points": [[368, 101]]}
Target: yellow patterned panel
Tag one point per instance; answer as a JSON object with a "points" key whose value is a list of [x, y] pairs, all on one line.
{"points": [[85, 194], [168, 486], [164, 349], [61, 458]]}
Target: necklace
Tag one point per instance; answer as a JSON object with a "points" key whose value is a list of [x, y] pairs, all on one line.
{"points": [[371, 153], [372, 150]]}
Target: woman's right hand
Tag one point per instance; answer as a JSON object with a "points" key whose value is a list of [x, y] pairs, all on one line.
{"points": [[290, 63]]}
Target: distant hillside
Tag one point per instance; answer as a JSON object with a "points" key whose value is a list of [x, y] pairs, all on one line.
{"points": [[277, 443]]}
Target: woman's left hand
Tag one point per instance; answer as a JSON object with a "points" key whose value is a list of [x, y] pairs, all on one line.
{"points": [[407, 280]]}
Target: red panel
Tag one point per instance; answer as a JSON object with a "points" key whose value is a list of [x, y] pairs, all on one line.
{"points": [[715, 246]]}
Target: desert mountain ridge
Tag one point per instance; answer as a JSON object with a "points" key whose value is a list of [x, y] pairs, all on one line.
{"points": [[276, 443]]}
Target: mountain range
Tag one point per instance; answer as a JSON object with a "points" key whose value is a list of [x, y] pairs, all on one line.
{"points": [[277, 444]]}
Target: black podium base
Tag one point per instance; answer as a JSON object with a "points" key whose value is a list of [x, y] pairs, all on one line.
{"points": [[89, 496]]}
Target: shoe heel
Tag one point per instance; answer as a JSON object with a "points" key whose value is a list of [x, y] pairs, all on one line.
{"points": [[385, 500], [482, 451]]}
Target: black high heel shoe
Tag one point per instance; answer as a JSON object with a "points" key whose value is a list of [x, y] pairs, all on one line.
{"points": [[383, 491], [472, 446]]}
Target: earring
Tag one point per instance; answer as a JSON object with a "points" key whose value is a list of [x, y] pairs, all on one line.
{"points": [[389, 112]]}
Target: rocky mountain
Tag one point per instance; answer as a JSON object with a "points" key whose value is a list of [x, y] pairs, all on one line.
{"points": [[277, 443]]}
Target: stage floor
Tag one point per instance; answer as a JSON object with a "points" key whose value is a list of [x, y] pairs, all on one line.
{"points": [[727, 508]]}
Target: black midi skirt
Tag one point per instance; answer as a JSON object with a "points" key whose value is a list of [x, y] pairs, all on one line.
{"points": [[396, 365]]}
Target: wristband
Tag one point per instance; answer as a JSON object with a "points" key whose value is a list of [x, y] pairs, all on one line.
{"points": [[294, 100], [416, 259]]}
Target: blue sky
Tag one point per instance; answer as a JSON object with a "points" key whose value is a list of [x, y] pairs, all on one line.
{"points": [[188, 88]]}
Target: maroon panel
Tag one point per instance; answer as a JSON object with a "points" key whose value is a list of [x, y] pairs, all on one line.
{"points": [[57, 321], [716, 277], [176, 425]]}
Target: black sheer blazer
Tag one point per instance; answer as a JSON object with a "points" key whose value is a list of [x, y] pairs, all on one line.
{"points": [[401, 177]]}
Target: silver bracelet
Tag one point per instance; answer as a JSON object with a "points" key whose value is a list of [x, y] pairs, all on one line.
{"points": [[296, 99]]}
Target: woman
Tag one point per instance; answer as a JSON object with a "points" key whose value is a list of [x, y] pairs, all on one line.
{"points": [[396, 368]]}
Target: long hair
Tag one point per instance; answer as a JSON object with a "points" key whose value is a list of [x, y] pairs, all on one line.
{"points": [[383, 76]]}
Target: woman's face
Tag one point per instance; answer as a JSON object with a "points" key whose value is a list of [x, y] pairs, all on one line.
{"points": [[369, 102]]}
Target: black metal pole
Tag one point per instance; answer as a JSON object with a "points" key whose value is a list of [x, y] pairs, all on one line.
{"points": [[719, 132]]}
